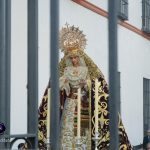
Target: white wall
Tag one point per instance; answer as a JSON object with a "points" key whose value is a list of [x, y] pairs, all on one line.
{"points": [[134, 64], [44, 45], [100, 3], [19, 67], [135, 13], [135, 10]]}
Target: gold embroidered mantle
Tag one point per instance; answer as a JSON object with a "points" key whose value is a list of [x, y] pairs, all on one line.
{"points": [[93, 72]]}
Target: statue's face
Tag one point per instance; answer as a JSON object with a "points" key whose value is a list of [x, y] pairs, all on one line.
{"points": [[75, 60]]}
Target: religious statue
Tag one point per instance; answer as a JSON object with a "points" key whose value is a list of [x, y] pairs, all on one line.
{"points": [[78, 71]]}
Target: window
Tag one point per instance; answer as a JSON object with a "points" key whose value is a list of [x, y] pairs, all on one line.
{"points": [[123, 9], [146, 104], [146, 16]]}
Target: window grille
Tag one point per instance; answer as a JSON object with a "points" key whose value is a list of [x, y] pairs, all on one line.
{"points": [[146, 16], [123, 10], [146, 104]]}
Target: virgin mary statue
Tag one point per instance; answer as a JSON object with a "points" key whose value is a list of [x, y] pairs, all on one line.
{"points": [[78, 71]]}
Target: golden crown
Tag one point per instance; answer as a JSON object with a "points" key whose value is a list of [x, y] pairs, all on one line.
{"points": [[71, 39]]}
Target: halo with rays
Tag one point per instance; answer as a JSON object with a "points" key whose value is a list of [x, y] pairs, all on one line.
{"points": [[71, 38]]}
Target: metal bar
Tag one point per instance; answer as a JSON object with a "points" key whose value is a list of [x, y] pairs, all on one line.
{"points": [[2, 67], [54, 57], [2, 61], [19, 135], [33, 70], [8, 68], [8, 63], [113, 80]]}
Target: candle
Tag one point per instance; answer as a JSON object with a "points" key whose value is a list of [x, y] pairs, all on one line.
{"points": [[48, 114], [96, 105], [79, 113]]}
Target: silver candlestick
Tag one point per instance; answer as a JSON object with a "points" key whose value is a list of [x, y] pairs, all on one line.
{"points": [[78, 143], [48, 143], [63, 146], [96, 139], [84, 146]]}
